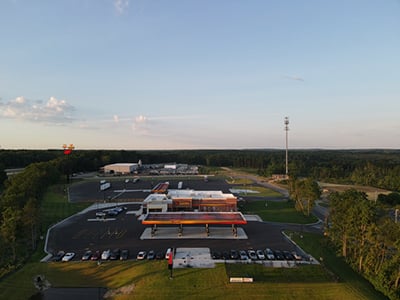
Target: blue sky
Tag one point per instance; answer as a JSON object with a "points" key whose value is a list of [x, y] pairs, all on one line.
{"points": [[169, 74]]}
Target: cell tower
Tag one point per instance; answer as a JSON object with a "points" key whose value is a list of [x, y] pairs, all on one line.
{"points": [[287, 130]]}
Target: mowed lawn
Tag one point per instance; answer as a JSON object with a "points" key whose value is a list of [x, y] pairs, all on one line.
{"points": [[150, 280], [55, 206], [281, 211]]}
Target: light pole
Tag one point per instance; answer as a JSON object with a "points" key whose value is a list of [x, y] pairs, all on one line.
{"points": [[287, 130]]}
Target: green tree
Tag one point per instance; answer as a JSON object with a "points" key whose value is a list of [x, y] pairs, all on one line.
{"points": [[30, 215], [344, 218], [304, 192], [9, 228]]}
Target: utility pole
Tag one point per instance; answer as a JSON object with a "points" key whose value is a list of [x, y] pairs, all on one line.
{"points": [[287, 130]]}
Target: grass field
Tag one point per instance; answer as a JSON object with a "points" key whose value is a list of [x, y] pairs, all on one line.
{"points": [[55, 206], [317, 246], [150, 280], [272, 211]]}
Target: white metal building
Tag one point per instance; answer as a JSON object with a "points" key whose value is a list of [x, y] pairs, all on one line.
{"points": [[121, 168]]}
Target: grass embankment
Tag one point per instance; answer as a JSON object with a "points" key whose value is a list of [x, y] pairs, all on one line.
{"points": [[150, 280], [318, 247], [272, 211], [54, 208]]}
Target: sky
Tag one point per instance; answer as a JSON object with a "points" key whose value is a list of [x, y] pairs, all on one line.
{"points": [[199, 74]]}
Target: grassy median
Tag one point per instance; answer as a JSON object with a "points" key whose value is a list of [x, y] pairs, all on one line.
{"points": [[281, 211]]}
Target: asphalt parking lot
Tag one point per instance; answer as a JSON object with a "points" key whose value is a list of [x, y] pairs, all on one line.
{"points": [[83, 231]]}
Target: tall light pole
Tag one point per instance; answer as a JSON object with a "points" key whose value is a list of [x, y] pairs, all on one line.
{"points": [[287, 130]]}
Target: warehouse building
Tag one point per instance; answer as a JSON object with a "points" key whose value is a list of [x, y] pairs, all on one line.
{"points": [[121, 168]]}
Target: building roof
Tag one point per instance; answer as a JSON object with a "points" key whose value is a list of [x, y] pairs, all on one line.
{"points": [[121, 165], [198, 194], [194, 218]]}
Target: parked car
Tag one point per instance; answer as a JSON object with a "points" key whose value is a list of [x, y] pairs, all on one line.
{"points": [[59, 256], [243, 255], [96, 255], [216, 255], [226, 255], [269, 254], [68, 256], [151, 255], [118, 209], [115, 254], [234, 254], [106, 254], [100, 214], [112, 212], [124, 254], [87, 255], [296, 256], [160, 255], [287, 255], [278, 255], [252, 254], [141, 255], [260, 254]]}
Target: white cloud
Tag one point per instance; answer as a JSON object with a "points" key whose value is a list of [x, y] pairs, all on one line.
{"points": [[121, 5], [54, 110]]}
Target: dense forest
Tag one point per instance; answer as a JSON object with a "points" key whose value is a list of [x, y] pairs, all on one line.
{"points": [[378, 168], [367, 238]]}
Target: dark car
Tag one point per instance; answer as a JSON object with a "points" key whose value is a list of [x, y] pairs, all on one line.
{"points": [[216, 255], [160, 255], [234, 254], [226, 255], [287, 255], [151, 255], [278, 255], [87, 255], [59, 256], [96, 255], [115, 254], [124, 254]]}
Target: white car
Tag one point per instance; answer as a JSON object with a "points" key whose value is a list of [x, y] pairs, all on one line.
{"points": [[68, 256], [106, 254], [260, 254], [141, 255]]}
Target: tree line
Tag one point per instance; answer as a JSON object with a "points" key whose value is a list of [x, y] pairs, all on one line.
{"points": [[378, 168], [20, 204], [367, 238]]}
